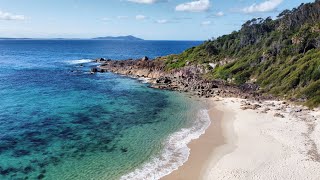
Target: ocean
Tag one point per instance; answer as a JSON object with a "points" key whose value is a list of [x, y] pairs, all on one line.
{"points": [[58, 121]]}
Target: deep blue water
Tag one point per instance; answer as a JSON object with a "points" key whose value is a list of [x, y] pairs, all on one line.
{"points": [[57, 121]]}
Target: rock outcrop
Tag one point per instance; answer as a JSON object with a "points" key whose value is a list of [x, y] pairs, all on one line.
{"points": [[186, 79]]}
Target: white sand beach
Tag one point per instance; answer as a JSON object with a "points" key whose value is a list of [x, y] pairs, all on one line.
{"points": [[269, 140]]}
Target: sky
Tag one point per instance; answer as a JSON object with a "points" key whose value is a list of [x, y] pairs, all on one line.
{"points": [[147, 19]]}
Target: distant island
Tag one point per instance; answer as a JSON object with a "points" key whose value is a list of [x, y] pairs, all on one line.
{"points": [[121, 38], [4, 38], [118, 38]]}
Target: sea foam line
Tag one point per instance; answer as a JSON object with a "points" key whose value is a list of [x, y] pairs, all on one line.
{"points": [[144, 80], [79, 61], [175, 152]]}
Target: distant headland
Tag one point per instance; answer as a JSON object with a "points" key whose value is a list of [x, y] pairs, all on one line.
{"points": [[118, 38]]}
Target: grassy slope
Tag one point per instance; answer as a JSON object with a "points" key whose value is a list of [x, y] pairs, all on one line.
{"points": [[282, 56]]}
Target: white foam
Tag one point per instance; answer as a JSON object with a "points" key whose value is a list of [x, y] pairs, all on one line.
{"points": [[175, 152], [80, 61], [144, 80]]}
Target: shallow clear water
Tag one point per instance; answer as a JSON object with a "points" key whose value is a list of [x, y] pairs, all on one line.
{"points": [[57, 121]]}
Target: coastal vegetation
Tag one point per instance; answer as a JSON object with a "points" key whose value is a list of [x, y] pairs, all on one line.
{"points": [[281, 56]]}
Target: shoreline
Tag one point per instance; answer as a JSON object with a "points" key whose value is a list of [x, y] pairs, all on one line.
{"points": [[215, 140], [175, 151], [274, 140], [266, 137]]}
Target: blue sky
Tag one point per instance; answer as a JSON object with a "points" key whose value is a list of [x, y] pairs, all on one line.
{"points": [[148, 19]]}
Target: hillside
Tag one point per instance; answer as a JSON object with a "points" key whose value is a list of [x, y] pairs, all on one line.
{"points": [[281, 56]]}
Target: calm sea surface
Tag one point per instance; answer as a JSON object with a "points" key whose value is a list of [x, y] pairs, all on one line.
{"points": [[57, 121]]}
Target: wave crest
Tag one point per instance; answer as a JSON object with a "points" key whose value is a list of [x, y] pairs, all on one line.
{"points": [[80, 61]]}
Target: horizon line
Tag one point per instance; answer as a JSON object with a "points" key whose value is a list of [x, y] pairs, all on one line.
{"points": [[30, 38]]}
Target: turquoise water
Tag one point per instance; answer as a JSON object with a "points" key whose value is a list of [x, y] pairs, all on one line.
{"points": [[57, 121]]}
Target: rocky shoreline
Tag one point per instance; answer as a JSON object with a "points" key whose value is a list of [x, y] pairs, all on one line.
{"points": [[288, 129], [187, 79]]}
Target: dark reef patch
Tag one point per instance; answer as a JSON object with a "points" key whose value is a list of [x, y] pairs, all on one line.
{"points": [[20, 153], [9, 170], [124, 150], [28, 169], [41, 176]]}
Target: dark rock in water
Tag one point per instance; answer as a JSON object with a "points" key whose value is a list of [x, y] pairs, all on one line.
{"points": [[94, 70], [100, 60], [41, 176], [124, 150], [145, 58], [103, 70]]}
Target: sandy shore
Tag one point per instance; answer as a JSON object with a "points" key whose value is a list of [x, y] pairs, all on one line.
{"points": [[251, 140], [201, 149]]}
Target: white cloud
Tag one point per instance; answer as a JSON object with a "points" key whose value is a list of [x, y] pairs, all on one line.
{"points": [[194, 6], [106, 19], [122, 17], [206, 23], [219, 14], [162, 21], [140, 17], [9, 16], [265, 6], [145, 1]]}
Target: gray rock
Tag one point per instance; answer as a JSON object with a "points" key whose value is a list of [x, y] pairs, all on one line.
{"points": [[278, 115]]}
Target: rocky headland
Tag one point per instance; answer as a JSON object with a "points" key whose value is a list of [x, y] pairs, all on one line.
{"points": [[186, 79]]}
